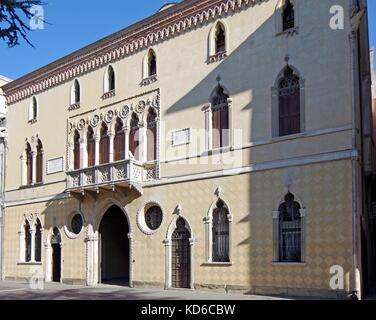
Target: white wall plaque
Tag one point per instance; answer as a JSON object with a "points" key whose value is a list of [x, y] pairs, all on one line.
{"points": [[55, 165], [181, 137]]}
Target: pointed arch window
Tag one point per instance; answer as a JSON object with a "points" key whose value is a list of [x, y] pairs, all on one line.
{"points": [[152, 135], [27, 231], [289, 103], [90, 147], [152, 63], [119, 141], [288, 15], [29, 165], [104, 144], [220, 119], [220, 39], [221, 231], [39, 163], [76, 150], [38, 241], [111, 78], [134, 136], [33, 110], [76, 93]]}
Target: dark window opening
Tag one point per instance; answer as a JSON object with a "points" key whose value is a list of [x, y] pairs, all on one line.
{"points": [[288, 16]]}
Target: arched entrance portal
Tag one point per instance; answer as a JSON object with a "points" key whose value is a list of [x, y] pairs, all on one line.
{"points": [[114, 249], [56, 255]]}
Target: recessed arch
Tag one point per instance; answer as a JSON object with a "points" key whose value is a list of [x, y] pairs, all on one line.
{"points": [[219, 45], [150, 64], [172, 243], [33, 109], [75, 96], [109, 81]]}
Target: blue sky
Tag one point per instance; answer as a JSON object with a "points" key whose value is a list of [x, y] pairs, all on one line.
{"points": [[78, 23]]}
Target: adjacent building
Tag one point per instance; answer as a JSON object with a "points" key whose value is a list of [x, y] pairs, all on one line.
{"points": [[217, 145], [3, 136]]}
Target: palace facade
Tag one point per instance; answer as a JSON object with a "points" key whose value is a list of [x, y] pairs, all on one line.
{"points": [[217, 145]]}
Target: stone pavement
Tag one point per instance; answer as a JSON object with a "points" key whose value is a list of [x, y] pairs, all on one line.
{"points": [[10, 290]]}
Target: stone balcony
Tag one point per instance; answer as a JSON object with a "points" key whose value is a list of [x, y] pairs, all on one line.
{"points": [[109, 177]]}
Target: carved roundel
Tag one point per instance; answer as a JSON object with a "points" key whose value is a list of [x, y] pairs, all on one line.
{"points": [[81, 124], [124, 111], [95, 121], [141, 107], [109, 116]]}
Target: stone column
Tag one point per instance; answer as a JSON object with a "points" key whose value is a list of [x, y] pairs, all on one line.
{"points": [[231, 123], [48, 260], [130, 237], [142, 146], [70, 156], [126, 130], [32, 234], [208, 127], [111, 136], [97, 139], [275, 236], [22, 246], [191, 243], [167, 243], [83, 153], [209, 238], [34, 167], [23, 170]]}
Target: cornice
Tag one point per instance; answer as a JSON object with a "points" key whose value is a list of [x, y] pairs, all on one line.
{"points": [[163, 25]]}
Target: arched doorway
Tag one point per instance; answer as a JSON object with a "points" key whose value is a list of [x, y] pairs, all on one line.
{"points": [[114, 247], [56, 255], [181, 256]]}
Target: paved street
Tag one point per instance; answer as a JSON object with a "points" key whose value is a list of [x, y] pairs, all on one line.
{"points": [[22, 291]]}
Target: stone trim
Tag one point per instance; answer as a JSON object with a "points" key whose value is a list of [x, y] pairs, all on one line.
{"points": [[160, 27]]}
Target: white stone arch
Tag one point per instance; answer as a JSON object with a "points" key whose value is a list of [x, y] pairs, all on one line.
{"points": [[208, 220], [141, 135], [212, 38], [73, 92], [140, 216], [106, 84], [275, 215], [92, 242], [168, 246], [49, 253], [145, 63], [275, 99], [32, 117]]}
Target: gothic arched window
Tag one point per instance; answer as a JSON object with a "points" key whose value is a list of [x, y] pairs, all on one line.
{"points": [[289, 103], [220, 39], [27, 242], [29, 165], [111, 78], [76, 150], [39, 163], [152, 63], [134, 136], [290, 230], [220, 119], [38, 242], [90, 147], [119, 141], [288, 15], [151, 135], [104, 144], [221, 231], [76, 92]]}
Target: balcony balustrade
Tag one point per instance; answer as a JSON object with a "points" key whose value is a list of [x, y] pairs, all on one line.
{"points": [[121, 173]]}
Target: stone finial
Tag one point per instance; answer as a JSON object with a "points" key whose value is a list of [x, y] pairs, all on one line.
{"points": [[178, 209], [218, 191]]}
